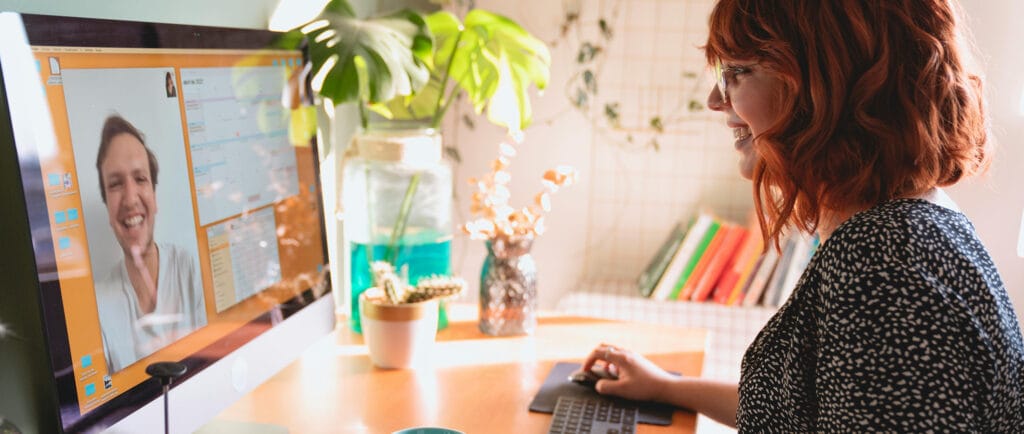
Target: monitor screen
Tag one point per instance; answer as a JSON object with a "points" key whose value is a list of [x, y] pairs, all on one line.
{"points": [[182, 204]]}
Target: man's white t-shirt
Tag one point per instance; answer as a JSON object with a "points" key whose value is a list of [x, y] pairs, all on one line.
{"points": [[128, 335]]}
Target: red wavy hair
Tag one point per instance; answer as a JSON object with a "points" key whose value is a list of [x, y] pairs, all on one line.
{"points": [[877, 102]]}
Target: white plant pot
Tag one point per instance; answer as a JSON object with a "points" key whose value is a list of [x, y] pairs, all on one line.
{"points": [[398, 335]]}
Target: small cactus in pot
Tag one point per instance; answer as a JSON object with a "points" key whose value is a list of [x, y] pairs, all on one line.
{"points": [[398, 292], [400, 320]]}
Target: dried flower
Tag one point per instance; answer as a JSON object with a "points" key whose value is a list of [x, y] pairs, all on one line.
{"points": [[489, 200]]}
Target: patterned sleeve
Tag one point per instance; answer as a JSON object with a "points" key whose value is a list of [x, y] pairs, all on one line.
{"points": [[899, 352]]}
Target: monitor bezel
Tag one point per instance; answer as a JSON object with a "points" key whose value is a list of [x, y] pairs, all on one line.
{"points": [[62, 31]]}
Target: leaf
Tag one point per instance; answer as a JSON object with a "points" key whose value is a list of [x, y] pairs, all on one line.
{"points": [[453, 153], [611, 112], [695, 106], [302, 126], [425, 103], [606, 30], [587, 52], [368, 60], [493, 49], [581, 98], [658, 126], [289, 40], [590, 81]]}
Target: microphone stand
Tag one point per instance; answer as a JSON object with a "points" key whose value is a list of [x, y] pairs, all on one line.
{"points": [[166, 372]]}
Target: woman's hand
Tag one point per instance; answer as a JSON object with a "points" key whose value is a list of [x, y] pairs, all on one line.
{"points": [[637, 377]]}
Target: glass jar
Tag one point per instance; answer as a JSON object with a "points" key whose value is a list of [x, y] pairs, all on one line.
{"points": [[389, 164]]}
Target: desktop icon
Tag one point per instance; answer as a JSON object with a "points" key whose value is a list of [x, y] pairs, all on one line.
{"points": [[86, 361], [65, 243], [107, 382], [90, 389], [54, 66], [72, 214], [59, 217], [54, 179], [67, 180]]}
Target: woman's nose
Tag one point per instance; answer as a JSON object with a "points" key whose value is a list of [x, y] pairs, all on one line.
{"points": [[715, 100]]}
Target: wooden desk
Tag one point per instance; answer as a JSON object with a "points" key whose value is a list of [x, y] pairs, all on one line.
{"points": [[477, 383]]}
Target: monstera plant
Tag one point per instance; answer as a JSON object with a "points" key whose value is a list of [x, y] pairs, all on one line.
{"points": [[405, 65]]}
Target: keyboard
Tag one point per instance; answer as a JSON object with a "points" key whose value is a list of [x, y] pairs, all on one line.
{"points": [[575, 414]]}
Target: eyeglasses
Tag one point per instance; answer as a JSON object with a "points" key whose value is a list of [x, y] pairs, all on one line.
{"points": [[725, 74]]}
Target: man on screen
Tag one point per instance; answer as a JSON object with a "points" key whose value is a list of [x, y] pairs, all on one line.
{"points": [[153, 295]]}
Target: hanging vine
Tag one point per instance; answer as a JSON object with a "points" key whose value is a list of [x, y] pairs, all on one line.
{"points": [[592, 40]]}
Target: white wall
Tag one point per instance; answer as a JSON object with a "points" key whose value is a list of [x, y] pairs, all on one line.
{"points": [[227, 13], [567, 254], [995, 201]]}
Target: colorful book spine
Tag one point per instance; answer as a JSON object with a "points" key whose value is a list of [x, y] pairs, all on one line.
{"points": [[755, 289], [728, 249], [687, 283], [734, 279], [652, 273], [802, 251], [740, 290], [774, 287], [694, 235]]}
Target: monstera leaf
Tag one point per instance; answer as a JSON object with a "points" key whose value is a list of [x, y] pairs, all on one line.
{"points": [[490, 58], [371, 60], [496, 53], [428, 102]]}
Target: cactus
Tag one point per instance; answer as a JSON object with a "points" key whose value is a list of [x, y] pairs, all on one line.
{"points": [[435, 287], [399, 292]]}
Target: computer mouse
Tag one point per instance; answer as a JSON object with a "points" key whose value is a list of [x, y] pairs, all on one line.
{"points": [[589, 378]]}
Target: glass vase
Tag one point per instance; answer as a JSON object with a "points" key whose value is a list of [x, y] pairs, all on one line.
{"points": [[508, 288], [392, 162]]}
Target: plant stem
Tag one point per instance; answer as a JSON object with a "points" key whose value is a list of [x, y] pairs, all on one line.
{"points": [[369, 220], [403, 213], [364, 116], [403, 218], [441, 106]]}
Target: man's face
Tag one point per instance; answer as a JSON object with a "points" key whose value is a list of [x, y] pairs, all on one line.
{"points": [[131, 198]]}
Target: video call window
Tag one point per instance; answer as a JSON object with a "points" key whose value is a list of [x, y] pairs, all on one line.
{"points": [[180, 208]]}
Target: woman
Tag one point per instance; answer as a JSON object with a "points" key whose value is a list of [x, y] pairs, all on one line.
{"points": [[849, 115]]}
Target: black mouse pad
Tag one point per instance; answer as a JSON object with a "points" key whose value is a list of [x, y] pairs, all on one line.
{"points": [[558, 384]]}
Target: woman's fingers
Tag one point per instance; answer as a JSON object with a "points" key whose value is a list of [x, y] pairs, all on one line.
{"points": [[607, 353]]}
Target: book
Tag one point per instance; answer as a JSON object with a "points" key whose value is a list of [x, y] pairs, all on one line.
{"points": [[773, 289], [802, 251], [694, 234], [652, 273], [731, 239], [740, 290], [687, 283], [734, 278], [755, 288]]}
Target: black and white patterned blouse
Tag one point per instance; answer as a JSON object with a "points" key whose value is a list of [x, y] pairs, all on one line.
{"points": [[900, 323]]}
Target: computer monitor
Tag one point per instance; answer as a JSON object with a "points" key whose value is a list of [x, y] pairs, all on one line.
{"points": [[174, 213]]}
